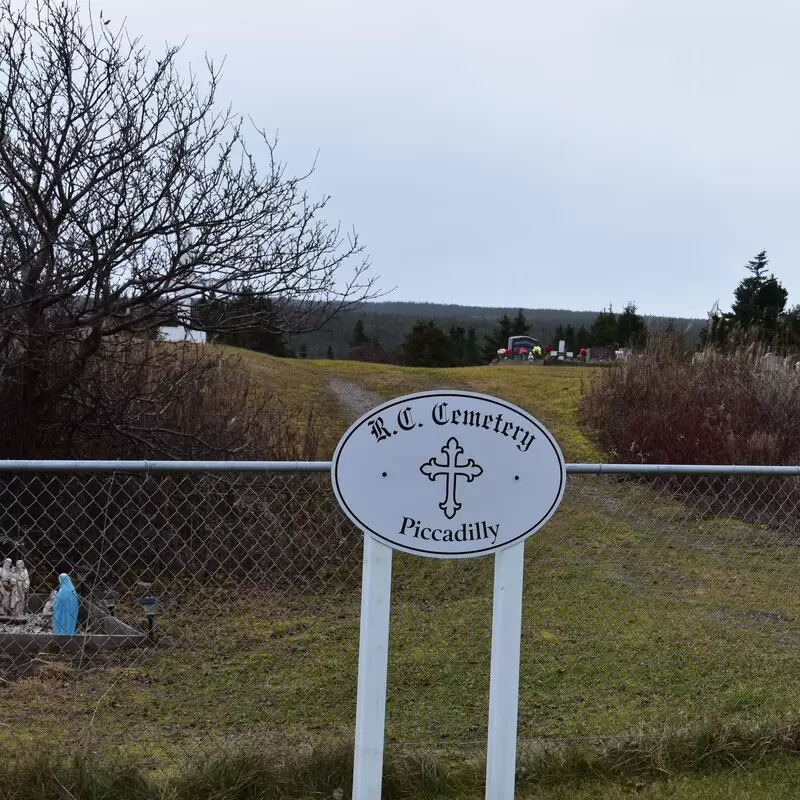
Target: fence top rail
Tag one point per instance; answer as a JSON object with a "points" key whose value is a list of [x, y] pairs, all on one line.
{"points": [[684, 469], [67, 465]]}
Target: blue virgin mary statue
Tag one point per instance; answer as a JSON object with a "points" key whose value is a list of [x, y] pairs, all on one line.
{"points": [[65, 606]]}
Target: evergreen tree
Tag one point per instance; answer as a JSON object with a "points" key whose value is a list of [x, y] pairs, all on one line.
{"points": [[472, 354], [458, 344], [788, 337], [254, 318], [604, 329], [631, 328], [759, 300], [359, 337], [569, 337], [330, 353], [363, 347], [427, 345], [499, 337], [560, 335], [758, 310], [303, 350], [519, 325], [582, 338]]}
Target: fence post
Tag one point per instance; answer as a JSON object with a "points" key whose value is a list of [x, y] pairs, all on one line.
{"points": [[373, 662], [501, 756]]}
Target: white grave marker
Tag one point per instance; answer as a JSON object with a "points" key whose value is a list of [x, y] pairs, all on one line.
{"points": [[445, 474]]}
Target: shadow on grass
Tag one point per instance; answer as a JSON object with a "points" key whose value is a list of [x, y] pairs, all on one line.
{"points": [[326, 772]]}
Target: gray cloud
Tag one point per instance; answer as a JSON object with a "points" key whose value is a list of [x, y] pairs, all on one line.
{"points": [[567, 153]]}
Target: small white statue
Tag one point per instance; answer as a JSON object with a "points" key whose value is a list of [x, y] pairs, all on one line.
{"points": [[5, 586], [20, 586]]}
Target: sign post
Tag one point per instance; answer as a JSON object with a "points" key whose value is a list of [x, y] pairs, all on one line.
{"points": [[445, 474], [373, 660], [501, 751]]}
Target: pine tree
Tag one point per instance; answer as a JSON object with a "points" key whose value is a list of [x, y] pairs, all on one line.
{"points": [[458, 344], [759, 300], [258, 330], [359, 337], [330, 352], [427, 345], [472, 354], [499, 337], [519, 325], [789, 329], [582, 338], [303, 350], [631, 328], [604, 329]]}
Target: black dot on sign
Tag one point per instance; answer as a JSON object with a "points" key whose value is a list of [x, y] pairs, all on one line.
{"points": [[394, 433], [516, 477], [419, 424], [383, 474]]}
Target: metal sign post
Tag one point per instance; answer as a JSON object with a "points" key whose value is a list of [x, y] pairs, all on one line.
{"points": [[445, 474]]}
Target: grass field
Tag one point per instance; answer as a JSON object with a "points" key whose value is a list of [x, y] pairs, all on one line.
{"points": [[550, 393], [640, 615]]}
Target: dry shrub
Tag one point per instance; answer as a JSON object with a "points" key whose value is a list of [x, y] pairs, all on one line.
{"points": [[148, 400], [142, 399], [665, 407]]}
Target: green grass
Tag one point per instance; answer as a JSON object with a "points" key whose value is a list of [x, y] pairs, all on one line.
{"points": [[739, 764], [640, 615], [549, 393]]}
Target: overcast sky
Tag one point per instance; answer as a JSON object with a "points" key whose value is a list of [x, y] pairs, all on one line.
{"points": [[569, 153]]}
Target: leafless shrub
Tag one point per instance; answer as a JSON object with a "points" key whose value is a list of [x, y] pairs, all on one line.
{"points": [[666, 407]]}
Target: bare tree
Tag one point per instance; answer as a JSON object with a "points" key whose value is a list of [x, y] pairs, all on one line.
{"points": [[127, 196]]}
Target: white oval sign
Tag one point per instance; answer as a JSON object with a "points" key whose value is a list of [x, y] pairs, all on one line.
{"points": [[448, 474]]}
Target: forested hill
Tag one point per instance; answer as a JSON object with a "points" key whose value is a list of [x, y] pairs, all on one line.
{"points": [[389, 322]]}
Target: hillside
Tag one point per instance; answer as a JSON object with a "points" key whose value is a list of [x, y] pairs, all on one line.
{"points": [[389, 322], [549, 393]]}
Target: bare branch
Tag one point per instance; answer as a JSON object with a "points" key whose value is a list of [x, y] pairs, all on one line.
{"points": [[128, 196]]}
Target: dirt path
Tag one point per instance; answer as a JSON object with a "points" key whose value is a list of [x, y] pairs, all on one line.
{"points": [[354, 399]]}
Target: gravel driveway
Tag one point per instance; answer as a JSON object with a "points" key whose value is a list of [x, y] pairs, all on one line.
{"points": [[354, 399]]}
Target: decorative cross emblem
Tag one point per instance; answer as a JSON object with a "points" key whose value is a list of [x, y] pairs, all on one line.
{"points": [[452, 470]]}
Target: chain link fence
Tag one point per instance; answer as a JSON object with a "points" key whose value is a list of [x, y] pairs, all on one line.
{"points": [[220, 610]]}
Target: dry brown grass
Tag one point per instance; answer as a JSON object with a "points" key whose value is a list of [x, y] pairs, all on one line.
{"points": [[661, 408]]}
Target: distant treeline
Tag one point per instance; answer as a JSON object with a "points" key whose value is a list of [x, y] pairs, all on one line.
{"points": [[386, 325]]}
